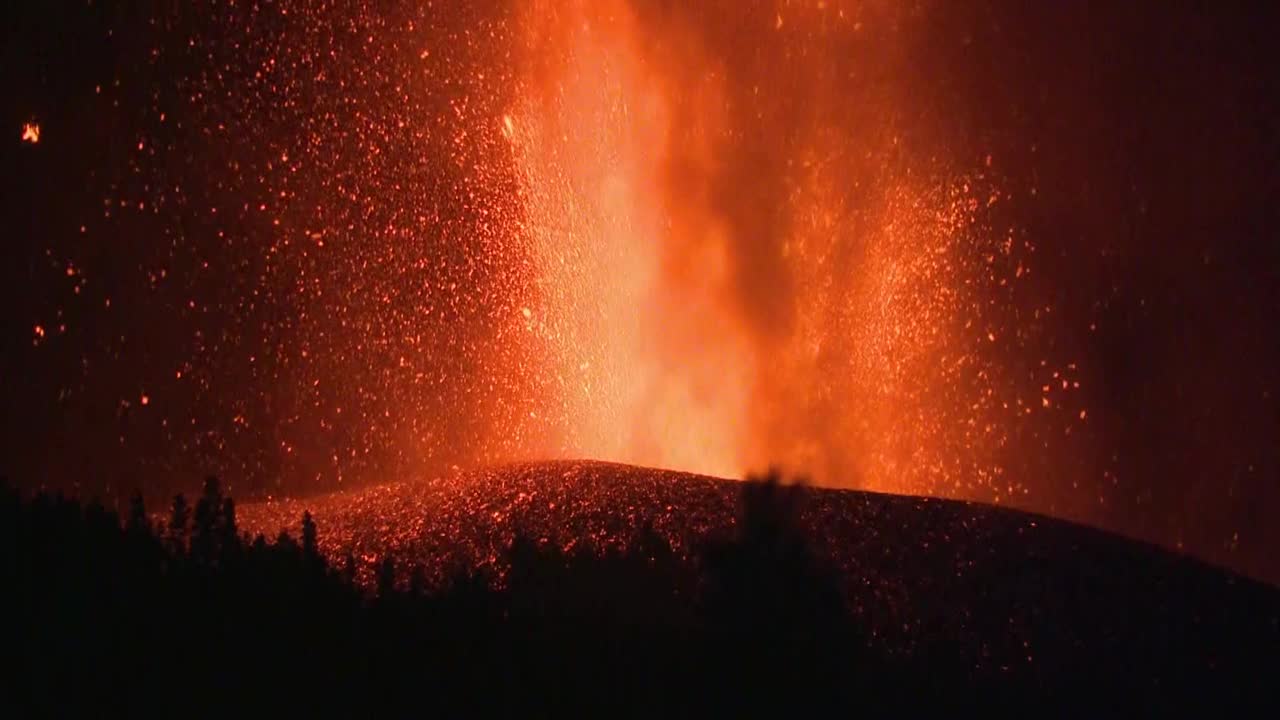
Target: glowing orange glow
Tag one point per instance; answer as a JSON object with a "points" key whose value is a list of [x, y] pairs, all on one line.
{"points": [[658, 369], [353, 243], [716, 304]]}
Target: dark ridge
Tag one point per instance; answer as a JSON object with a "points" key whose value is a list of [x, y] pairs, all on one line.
{"points": [[995, 590], [772, 598]]}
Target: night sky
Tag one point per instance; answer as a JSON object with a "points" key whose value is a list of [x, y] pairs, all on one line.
{"points": [[303, 247]]}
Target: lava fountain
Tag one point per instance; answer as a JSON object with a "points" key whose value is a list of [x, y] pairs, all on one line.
{"points": [[651, 365], [399, 238], [740, 261]]}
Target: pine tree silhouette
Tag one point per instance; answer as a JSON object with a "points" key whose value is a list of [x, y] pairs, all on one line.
{"points": [[205, 533], [179, 517], [310, 544], [137, 524], [228, 520], [286, 545], [349, 568], [769, 600], [387, 577], [417, 580]]}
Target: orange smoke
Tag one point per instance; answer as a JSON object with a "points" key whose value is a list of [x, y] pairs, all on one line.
{"points": [[739, 263]]}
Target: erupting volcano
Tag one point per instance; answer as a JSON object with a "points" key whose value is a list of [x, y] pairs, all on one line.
{"points": [[737, 260], [889, 246]]}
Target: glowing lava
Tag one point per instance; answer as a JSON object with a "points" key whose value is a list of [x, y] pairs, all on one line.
{"points": [[739, 263], [651, 365]]}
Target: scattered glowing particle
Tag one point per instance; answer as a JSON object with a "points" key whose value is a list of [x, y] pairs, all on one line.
{"points": [[31, 133], [145, 399]]}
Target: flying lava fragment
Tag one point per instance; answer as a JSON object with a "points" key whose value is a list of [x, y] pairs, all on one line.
{"points": [[31, 133]]}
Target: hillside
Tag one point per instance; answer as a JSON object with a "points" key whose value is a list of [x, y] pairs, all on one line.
{"points": [[983, 591]]}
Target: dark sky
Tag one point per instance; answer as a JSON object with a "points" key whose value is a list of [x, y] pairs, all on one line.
{"points": [[1148, 131]]}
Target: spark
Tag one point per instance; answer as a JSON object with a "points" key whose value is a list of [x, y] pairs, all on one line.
{"points": [[31, 133]]}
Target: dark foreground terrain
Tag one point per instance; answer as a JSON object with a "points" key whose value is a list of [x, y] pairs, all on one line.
{"points": [[556, 587]]}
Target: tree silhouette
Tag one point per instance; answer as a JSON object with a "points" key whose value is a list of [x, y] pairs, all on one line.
{"points": [[204, 530], [386, 577], [348, 573], [228, 534], [310, 544], [286, 546], [768, 599], [137, 524], [179, 517], [417, 580]]}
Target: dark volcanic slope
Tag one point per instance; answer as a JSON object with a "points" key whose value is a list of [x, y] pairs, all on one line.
{"points": [[1006, 591]]}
